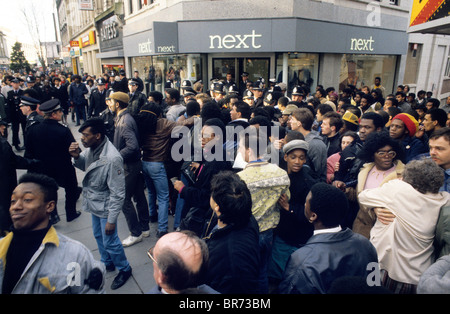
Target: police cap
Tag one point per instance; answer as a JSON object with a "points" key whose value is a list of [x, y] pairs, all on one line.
{"points": [[29, 101], [31, 79], [50, 106], [101, 81], [133, 81]]}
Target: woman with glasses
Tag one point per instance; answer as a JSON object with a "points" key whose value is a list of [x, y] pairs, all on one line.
{"points": [[383, 157]]}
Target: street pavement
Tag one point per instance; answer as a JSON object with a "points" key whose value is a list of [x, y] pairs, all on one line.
{"points": [[81, 230]]}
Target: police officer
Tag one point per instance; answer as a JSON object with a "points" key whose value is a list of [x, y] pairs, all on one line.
{"points": [[122, 84], [258, 92], [298, 95], [31, 83], [28, 106], [97, 100], [49, 142], [137, 98], [14, 114], [243, 83]]}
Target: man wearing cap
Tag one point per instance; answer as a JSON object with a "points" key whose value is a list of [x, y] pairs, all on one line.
{"points": [[286, 114], [49, 142], [28, 107], [403, 128], [77, 90], [258, 92], [60, 92], [32, 83], [137, 98], [218, 91], [14, 114], [293, 230], [243, 83], [298, 94], [126, 137], [97, 100], [248, 98]]}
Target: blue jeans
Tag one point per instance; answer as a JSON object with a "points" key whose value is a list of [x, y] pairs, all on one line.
{"points": [[180, 204], [265, 249], [158, 189], [109, 246]]}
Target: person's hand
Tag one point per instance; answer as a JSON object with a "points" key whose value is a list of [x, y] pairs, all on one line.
{"points": [[420, 132], [109, 228], [336, 167], [384, 215], [278, 144], [178, 185], [194, 166], [339, 185], [283, 201], [74, 150]]}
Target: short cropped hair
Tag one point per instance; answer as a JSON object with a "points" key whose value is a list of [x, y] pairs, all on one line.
{"points": [[96, 124], [304, 116], [329, 203], [48, 185]]}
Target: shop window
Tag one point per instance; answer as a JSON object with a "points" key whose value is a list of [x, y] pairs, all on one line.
{"points": [[157, 71], [361, 70], [303, 68]]}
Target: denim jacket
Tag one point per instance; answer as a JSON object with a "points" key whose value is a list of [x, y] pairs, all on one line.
{"points": [[60, 265], [103, 183]]}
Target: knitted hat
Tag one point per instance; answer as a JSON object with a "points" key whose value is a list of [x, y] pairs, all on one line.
{"points": [[350, 117], [410, 122]]}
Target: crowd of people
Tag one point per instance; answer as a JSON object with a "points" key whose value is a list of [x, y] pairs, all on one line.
{"points": [[272, 191]]}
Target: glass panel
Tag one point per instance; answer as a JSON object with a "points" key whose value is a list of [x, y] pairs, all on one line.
{"points": [[256, 68], [361, 70], [302, 68], [156, 71], [222, 66]]}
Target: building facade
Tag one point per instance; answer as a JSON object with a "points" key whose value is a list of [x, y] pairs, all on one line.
{"points": [[333, 43]]}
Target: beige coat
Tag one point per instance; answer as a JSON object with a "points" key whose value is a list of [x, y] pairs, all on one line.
{"points": [[365, 219], [405, 246]]}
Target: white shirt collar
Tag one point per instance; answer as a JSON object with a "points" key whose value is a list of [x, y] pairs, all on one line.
{"points": [[328, 230]]}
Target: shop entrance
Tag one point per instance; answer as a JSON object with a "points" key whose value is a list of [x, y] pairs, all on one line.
{"points": [[255, 67]]}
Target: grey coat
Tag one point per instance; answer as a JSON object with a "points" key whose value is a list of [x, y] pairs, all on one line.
{"points": [[103, 183]]}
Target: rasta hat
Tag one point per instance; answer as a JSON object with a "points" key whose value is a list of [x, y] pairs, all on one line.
{"points": [[410, 122]]}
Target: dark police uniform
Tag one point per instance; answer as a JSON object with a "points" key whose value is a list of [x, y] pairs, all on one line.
{"points": [[49, 142], [14, 114], [97, 100], [33, 118], [122, 85], [137, 99]]}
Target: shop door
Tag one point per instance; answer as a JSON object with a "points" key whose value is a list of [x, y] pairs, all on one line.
{"points": [[255, 67]]}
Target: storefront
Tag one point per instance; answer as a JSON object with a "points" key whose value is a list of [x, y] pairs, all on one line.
{"points": [[155, 55], [293, 50], [111, 56], [89, 48]]}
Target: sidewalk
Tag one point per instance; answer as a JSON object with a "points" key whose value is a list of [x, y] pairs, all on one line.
{"points": [[81, 230]]}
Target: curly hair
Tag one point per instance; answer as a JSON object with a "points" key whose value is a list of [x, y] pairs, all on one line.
{"points": [[424, 175], [377, 140]]}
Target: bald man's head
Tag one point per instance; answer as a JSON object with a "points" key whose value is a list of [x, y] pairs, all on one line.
{"points": [[181, 259]]}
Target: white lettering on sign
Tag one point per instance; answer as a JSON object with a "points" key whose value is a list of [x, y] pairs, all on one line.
{"points": [[109, 31], [360, 44], [145, 47], [166, 49], [234, 41]]}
